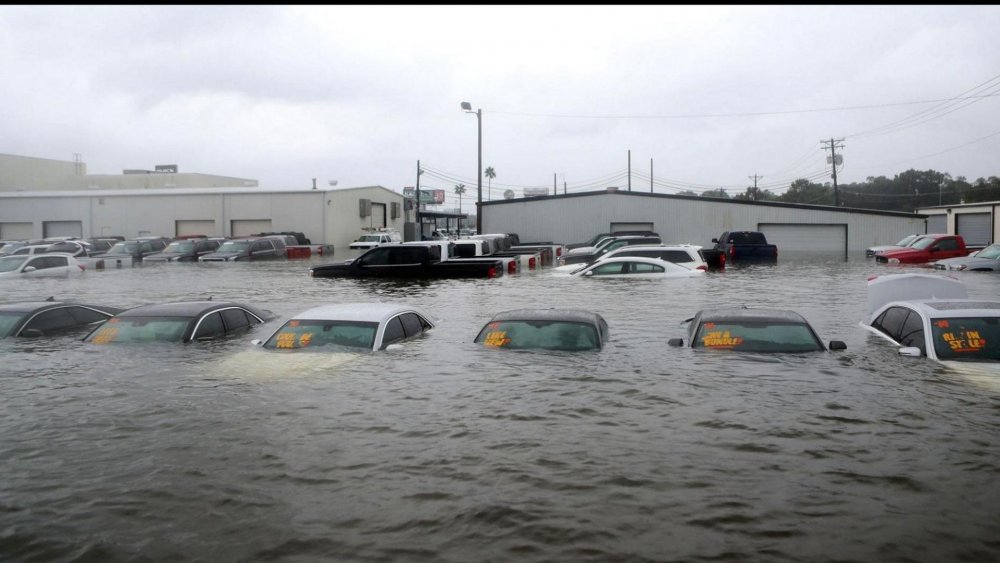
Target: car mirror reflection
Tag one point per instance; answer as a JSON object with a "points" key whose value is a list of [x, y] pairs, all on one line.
{"points": [[838, 345], [912, 351], [676, 342]]}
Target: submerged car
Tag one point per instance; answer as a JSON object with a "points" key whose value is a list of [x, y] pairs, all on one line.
{"points": [[183, 321], [50, 317], [932, 316], [635, 267], [135, 249], [185, 250], [745, 329], [265, 248], [986, 260], [48, 265], [901, 243], [546, 329], [364, 326]]}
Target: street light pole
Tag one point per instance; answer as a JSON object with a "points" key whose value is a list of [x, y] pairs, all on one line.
{"points": [[479, 175]]}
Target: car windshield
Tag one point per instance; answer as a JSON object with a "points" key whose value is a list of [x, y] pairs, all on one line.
{"points": [[548, 335], [991, 252], [179, 247], [757, 336], [9, 319], [971, 339], [140, 329], [905, 241], [302, 333], [369, 238], [922, 242], [124, 248], [234, 246], [11, 263]]}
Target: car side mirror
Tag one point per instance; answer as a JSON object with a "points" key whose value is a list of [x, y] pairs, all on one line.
{"points": [[28, 269], [393, 347], [715, 240], [257, 342], [838, 345], [911, 351], [676, 342], [31, 333], [588, 274]]}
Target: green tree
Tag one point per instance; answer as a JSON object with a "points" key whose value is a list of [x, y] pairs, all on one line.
{"points": [[721, 193], [490, 174], [804, 191]]}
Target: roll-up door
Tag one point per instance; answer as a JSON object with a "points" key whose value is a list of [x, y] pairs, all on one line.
{"points": [[937, 224], [196, 227], [378, 215], [247, 227], [17, 231], [62, 229], [828, 240], [975, 228]]}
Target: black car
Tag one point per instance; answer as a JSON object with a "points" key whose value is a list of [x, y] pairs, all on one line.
{"points": [[265, 248], [185, 250], [47, 318], [183, 321], [743, 329], [101, 245]]}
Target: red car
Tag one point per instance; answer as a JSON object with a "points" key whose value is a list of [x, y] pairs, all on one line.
{"points": [[927, 248]]}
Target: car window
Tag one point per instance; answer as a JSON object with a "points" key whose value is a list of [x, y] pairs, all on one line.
{"points": [[86, 315], [393, 332], [891, 321], [51, 320], [547, 335], [644, 268], [912, 332], [756, 336], [413, 324], [46, 262], [610, 269], [235, 319], [300, 333], [140, 329], [948, 244], [967, 339], [209, 327]]}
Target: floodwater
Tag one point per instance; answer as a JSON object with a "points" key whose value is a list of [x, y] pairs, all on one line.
{"points": [[445, 451]]}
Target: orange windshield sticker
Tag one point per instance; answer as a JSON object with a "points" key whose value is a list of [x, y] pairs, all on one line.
{"points": [[720, 339], [293, 323], [709, 326], [105, 335], [305, 339], [286, 340], [941, 323], [497, 339]]}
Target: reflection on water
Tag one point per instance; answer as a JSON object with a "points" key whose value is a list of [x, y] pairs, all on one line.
{"points": [[449, 451]]}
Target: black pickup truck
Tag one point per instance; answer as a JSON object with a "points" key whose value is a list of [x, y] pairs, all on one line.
{"points": [[408, 261], [735, 247]]}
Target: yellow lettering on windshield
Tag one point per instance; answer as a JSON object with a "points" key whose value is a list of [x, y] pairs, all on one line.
{"points": [[496, 339], [720, 339], [105, 335], [967, 341], [286, 340]]}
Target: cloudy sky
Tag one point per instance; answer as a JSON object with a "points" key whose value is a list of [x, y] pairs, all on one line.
{"points": [[703, 96]]}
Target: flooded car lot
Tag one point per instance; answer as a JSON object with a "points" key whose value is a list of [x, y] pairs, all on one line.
{"points": [[446, 450]]}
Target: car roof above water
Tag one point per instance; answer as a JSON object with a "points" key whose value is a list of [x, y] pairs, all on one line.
{"points": [[180, 309], [367, 312], [736, 314], [570, 315]]}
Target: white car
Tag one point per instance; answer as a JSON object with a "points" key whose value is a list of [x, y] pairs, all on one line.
{"points": [[48, 265], [932, 316], [365, 326], [635, 267], [687, 255], [371, 240]]}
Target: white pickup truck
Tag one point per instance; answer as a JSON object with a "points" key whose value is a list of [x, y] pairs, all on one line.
{"points": [[378, 238]]}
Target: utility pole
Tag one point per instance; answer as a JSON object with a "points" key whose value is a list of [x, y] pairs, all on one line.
{"points": [[420, 226], [651, 175], [555, 187], [630, 170], [833, 145], [754, 193]]}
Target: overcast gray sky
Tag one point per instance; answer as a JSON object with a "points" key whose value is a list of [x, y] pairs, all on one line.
{"points": [[707, 95]]}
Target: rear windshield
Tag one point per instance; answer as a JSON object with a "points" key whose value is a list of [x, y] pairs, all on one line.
{"points": [[548, 335], [973, 339], [757, 336], [302, 333], [747, 238]]}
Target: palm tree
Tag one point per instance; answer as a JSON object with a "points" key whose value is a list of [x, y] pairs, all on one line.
{"points": [[460, 189], [490, 174]]}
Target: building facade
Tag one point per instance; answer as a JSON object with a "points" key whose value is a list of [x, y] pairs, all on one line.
{"points": [[976, 222]]}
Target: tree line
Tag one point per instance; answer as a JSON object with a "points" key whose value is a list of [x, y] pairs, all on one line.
{"points": [[904, 192]]}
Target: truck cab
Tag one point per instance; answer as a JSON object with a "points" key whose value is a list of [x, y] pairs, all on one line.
{"points": [[376, 238]]}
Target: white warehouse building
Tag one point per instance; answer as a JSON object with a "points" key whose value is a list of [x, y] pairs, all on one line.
{"points": [[815, 229], [325, 216]]}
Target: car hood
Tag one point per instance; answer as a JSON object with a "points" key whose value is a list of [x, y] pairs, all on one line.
{"points": [[168, 255], [900, 252], [966, 260], [884, 248], [223, 255]]}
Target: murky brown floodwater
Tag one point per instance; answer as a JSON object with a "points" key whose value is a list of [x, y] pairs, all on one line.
{"points": [[446, 451]]}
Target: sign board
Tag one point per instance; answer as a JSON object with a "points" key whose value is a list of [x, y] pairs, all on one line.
{"points": [[167, 168], [535, 192], [427, 197]]}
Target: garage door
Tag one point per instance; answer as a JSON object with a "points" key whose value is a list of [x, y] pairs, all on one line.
{"points": [[615, 227], [62, 229], [975, 228], [826, 240], [16, 231], [247, 227], [937, 223], [188, 228], [377, 218]]}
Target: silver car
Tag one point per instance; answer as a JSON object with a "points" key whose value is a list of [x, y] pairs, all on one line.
{"points": [[986, 260]]}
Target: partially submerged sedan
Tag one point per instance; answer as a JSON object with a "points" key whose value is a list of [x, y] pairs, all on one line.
{"points": [[635, 267], [183, 321], [547, 329], [357, 326], [48, 265], [50, 317], [932, 316], [744, 329], [986, 260]]}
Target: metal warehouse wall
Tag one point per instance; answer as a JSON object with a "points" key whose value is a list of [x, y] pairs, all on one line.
{"points": [[681, 219]]}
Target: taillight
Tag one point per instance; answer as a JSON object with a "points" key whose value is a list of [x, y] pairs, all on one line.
{"points": [[81, 266], [701, 267], [559, 252], [512, 267], [491, 273], [531, 263]]}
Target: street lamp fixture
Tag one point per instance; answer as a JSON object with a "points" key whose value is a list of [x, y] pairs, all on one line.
{"points": [[479, 175]]}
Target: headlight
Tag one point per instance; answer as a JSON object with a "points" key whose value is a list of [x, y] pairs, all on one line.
{"points": [[893, 260]]}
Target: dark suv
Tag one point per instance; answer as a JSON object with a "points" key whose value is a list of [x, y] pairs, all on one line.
{"points": [[136, 249], [185, 250], [264, 248]]}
